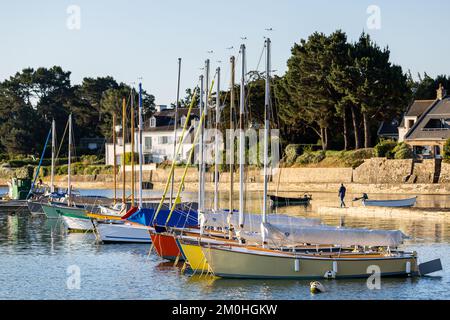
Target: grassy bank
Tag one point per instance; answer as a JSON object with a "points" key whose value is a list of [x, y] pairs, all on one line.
{"points": [[295, 157]]}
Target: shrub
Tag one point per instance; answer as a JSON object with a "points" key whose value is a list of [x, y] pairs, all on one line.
{"points": [[446, 150], [356, 158], [25, 172], [291, 152], [402, 151], [128, 157], [88, 159], [4, 157], [384, 148], [309, 157], [61, 170]]}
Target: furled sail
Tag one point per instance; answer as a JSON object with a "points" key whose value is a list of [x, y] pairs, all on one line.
{"points": [[326, 235], [252, 221]]}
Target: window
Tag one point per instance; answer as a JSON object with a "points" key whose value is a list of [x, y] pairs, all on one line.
{"points": [[437, 124], [183, 120], [163, 140], [147, 143], [152, 122], [148, 159], [92, 146]]}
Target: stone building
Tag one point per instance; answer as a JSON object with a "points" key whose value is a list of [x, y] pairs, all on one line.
{"points": [[158, 137], [426, 125]]}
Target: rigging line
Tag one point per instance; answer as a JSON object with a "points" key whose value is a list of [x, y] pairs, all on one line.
{"points": [[247, 98], [62, 140]]}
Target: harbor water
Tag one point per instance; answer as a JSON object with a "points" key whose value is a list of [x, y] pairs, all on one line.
{"points": [[39, 260]]}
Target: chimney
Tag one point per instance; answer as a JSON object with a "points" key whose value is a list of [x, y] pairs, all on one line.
{"points": [[441, 92]]}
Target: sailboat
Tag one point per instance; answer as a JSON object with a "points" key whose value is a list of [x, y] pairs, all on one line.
{"points": [[359, 250], [184, 243], [73, 216], [224, 222], [137, 224], [38, 196], [164, 239]]}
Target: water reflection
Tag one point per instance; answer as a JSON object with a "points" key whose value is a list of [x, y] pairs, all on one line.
{"points": [[42, 250]]}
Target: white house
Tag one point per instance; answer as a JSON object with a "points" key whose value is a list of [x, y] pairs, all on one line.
{"points": [[158, 137]]}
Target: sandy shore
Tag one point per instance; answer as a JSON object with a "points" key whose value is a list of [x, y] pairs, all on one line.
{"points": [[289, 188], [397, 213]]}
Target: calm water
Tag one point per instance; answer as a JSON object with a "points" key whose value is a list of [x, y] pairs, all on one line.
{"points": [[35, 254]]}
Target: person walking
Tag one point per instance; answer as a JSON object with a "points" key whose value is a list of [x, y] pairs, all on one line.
{"points": [[341, 195]]}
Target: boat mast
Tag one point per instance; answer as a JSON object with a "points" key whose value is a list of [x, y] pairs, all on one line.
{"points": [[200, 152], [141, 158], [69, 187], [132, 149], [231, 146], [216, 146], [241, 140], [52, 179], [205, 112], [114, 156], [175, 130], [123, 149], [266, 133]]}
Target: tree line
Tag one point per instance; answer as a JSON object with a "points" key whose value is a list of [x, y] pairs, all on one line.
{"points": [[335, 93], [32, 98]]}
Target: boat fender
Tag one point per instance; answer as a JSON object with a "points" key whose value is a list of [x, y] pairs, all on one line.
{"points": [[297, 265], [330, 274], [316, 287]]}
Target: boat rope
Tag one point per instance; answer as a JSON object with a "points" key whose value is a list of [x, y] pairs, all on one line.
{"points": [[191, 153], [39, 166], [176, 261], [180, 187], [62, 140], [183, 269], [172, 168], [151, 249]]}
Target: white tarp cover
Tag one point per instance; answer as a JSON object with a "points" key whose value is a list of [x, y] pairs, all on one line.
{"points": [[252, 221], [294, 235]]}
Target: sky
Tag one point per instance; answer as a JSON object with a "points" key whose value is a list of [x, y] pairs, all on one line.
{"points": [[139, 40]]}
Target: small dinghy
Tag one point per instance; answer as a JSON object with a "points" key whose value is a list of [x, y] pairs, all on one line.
{"points": [[277, 201], [400, 203]]}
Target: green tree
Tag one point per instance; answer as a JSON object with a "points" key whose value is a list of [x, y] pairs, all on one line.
{"points": [[18, 128], [306, 95]]}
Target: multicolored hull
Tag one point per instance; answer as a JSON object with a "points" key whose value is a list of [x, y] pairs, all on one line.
{"points": [[166, 246]]}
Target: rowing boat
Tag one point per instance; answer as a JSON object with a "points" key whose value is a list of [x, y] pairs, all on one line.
{"points": [[277, 201], [405, 203]]}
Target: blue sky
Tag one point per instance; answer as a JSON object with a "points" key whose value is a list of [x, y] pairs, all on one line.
{"points": [[134, 38]]}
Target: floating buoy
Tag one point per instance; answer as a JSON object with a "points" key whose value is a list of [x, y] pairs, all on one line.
{"points": [[330, 274], [316, 287]]}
